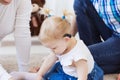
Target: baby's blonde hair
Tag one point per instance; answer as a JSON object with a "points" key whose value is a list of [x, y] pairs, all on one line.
{"points": [[54, 28]]}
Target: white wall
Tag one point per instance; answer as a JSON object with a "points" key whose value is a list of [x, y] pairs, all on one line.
{"points": [[59, 5]]}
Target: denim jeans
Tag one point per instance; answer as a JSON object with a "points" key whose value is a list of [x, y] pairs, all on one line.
{"points": [[57, 73], [90, 26], [107, 54]]}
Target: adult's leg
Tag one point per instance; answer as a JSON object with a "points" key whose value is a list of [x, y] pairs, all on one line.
{"points": [[90, 25], [107, 54]]}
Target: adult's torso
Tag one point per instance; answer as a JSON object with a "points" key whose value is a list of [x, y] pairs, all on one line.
{"points": [[7, 17], [109, 11]]}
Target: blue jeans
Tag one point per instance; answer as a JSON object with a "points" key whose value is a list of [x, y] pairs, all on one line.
{"points": [[57, 73], [107, 54], [90, 25]]}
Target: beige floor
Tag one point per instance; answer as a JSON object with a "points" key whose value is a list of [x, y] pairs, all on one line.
{"points": [[8, 55], [10, 64]]}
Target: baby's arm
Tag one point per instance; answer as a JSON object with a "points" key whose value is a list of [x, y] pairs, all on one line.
{"points": [[35, 69], [82, 69], [46, 65]]}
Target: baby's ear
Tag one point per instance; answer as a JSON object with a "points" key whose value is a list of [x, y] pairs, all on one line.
{"points": [[66, 38]]}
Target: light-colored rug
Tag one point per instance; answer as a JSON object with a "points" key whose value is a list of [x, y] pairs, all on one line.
{"points": [[10, 63]]}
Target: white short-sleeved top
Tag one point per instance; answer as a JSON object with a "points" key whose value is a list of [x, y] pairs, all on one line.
{"points": [[80, 51]]}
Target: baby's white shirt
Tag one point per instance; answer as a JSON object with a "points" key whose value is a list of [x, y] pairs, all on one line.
{"points": [[80, 51]]}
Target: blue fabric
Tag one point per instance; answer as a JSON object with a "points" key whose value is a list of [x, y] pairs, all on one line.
{"points": [[90, 25], [96, 74], [107, 54], [57, 73]]}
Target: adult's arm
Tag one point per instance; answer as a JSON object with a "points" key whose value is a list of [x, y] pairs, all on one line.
{"points": [[22, 33]]}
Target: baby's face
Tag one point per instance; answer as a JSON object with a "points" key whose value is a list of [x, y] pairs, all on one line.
{"points": [[5, 2], [57, 46]]}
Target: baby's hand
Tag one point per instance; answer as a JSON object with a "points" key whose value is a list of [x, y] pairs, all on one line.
{"points": [[34, 69]]}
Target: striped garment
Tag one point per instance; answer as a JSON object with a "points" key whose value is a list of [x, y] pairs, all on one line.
{"points": [[109, 11]]}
